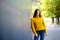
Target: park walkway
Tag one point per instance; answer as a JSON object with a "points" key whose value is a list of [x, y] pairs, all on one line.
{"points": [[53, 32]]}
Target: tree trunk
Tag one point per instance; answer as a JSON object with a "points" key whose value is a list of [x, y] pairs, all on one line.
{"points": [[52, 20], [57, 20]]}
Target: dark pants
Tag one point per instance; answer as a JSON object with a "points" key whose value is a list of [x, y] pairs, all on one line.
{"points": [[40, 34]]}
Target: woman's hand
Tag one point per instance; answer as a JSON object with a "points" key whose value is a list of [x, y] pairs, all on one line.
{"points": [[46, 34], [36, 35]]}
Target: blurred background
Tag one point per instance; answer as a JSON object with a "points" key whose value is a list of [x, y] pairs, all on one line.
{"points": [[15, 18]]}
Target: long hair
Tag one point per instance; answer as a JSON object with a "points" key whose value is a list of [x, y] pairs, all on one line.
{"points": [[35, 13]]}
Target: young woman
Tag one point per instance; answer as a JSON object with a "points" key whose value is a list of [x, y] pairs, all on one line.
{"points": [[38, 26]]}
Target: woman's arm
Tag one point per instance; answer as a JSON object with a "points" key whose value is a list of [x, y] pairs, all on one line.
{"points": [[44, 26], [32, 27]]}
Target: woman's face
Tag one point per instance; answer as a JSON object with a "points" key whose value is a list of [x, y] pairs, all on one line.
{"points": [[38, 12]]}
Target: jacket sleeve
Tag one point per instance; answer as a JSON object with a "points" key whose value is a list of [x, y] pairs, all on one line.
{"points": [[44, 26], [32, 27]]}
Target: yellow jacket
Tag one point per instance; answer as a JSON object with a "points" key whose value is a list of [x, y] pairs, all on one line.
{"points": [[37, 24]]}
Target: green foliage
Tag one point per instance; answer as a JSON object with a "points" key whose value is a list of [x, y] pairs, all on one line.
{"points": [[48, 8]]}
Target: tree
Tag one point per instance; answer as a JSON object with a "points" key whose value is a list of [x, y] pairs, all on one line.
{"points": [[58, 11], [50, 8]]}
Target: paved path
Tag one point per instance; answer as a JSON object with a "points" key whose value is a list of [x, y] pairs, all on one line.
{"points": [[53, 32]]}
